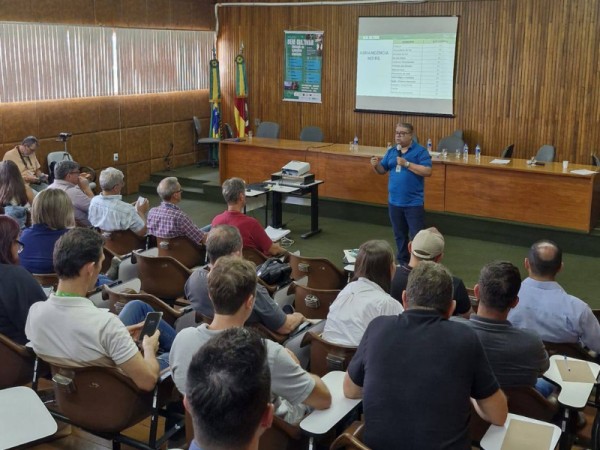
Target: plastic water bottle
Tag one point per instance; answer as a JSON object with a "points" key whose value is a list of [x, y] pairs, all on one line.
{"points": [[355, 143], [429, 145], [466, 152], [477, 152]]}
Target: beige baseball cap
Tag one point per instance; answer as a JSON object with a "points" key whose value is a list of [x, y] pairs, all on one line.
{"points": [[428, 244]]}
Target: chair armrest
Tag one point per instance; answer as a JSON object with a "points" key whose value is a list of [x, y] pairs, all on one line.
{"points": [[272, 335], [350, 438]]}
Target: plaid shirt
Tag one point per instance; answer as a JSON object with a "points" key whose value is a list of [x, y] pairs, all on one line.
{"points": [[168, 221]]}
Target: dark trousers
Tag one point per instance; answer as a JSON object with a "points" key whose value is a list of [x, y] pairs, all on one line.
{"points": [[407, 221]]}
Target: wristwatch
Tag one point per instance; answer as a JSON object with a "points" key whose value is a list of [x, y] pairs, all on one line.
{"points": [[407, 164]]}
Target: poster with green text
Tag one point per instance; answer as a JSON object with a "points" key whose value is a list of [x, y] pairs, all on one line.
{"points": [[303, 63]]}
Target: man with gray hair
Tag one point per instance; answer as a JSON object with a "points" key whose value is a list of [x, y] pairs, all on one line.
{"points": [[109, 213], [23, 156], [420, 364], [253, 234], [67, 177], [168, 220]]}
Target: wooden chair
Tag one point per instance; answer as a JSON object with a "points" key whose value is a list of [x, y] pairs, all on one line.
{"points": [[573, 350], [46, 279], [326, 356], [104, 402], [473, 299], [251, 254], [117, 300], [123, 242], [313, 303], [18, 363], [162, 276], [320, 273], [351, 438], [184, 250], [108, 257], [259, 327]]}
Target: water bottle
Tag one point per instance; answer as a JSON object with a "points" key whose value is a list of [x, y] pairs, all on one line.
{"points": [[355, 143], [466, 152], [477, 152], [429, 145]]}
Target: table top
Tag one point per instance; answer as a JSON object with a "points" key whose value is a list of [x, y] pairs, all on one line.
{"points": [[321, 421], [23, 417], [572, 394], [494, 437]]}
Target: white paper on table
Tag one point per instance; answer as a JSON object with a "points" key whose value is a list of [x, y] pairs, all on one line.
{"points": [[276, 233], [583, 172], [349, 256], [500, 161]]}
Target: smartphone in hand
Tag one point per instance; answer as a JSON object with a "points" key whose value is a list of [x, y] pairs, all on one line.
{"points": [[150, 325]]}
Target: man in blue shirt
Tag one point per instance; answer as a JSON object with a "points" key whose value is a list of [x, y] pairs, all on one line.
{"points": [[229, 389], [408, 164]]}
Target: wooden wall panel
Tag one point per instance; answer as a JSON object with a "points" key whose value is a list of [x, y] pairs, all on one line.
{"points": [[527, 73]]}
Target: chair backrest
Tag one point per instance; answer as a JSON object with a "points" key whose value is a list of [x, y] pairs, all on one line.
{"points": [[228, 131], [326, 356], [313, 303], [46, 279], [117, 300], [351, 438], [122, 242], [508, 151], [595, 160], [56, 157], [17, 363], [254, 255], [99, 399], [283, 436], [545, 153], [311, 134], [527, 401], [184, 250], [268, 130], [197, 127], [573, 350], [458, 134], [450, 143], [161, 276], [320, 272]]}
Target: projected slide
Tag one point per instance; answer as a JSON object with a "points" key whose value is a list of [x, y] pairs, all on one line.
{"points": [[406, 64]]}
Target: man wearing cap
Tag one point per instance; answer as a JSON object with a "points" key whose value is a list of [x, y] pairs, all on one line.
{"points": [[23, 156], [428, 245], [408, 163]]}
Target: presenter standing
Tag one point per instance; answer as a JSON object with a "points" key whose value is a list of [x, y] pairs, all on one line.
{"points": [[408, 163]]}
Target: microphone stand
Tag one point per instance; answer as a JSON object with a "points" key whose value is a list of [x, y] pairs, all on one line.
{"points": [[167, 158]]}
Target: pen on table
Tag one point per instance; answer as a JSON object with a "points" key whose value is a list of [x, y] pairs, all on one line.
{"points": [[567, 364]]}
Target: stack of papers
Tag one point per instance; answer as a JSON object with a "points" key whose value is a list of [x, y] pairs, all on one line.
{"points": [[276, 233], [500, 161]]}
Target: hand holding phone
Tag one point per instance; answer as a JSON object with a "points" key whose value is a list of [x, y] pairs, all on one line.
{"points": [[150, 325]]}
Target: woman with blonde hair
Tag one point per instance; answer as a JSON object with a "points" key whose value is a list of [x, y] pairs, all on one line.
{"points": [[366, 297], [52, 215]]}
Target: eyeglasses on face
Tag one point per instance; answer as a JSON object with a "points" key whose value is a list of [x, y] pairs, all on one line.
{"points": [[403, 133]]}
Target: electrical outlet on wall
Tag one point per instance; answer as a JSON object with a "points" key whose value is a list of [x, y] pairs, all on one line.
{"points": [[115, 156]]}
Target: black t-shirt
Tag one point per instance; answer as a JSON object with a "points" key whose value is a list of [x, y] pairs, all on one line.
{"points": [[463, 303], [418, 371], [18, 291]]}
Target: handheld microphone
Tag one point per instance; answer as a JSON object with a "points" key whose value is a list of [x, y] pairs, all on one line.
{"points": [[398, 166]]}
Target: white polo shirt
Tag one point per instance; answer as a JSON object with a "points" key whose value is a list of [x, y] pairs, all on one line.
{"points": [[71, 331], [110, 213]]}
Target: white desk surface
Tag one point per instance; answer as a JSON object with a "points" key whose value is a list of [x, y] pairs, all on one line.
{"points": [[23, 417], [572, 394], [494, 437], [321, 421]]}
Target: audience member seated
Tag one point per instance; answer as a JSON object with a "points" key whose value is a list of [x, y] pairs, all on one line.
{"points": [[67, 177], [168, 220], [428, 245], [517, 357], [544, 306], [68, 329], [364, 298], [19, 289], [417, 372], [109, 213], [229, 395], [232, 287], [253, 234], [224, 240], [23, 156], [15, 195], [52, 216]]}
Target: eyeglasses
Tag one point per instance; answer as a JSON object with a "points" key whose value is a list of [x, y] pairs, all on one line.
{"points": [[403, 133], [20, 244], [78, 172]]}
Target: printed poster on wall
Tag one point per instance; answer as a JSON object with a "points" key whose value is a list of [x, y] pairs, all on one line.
{"points": [[303, 62]]}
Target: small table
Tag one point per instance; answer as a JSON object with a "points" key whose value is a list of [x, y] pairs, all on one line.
{"points": [[299, 190], [23, 417], [320, 422], [494, 437], [573, 396]]}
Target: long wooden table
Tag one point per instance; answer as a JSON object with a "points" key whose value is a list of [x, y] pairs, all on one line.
{"points": [[542, 195]]}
